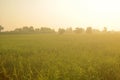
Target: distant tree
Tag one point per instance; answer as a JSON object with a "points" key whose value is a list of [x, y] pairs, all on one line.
{"points": [[25, 29], [79, 30], [105, 29], [46, 30], [89, 30], [28, 29], [37, 30], [96, 30], [1, 28], [69, 30], [31, 29], [18, 30], [61, 31]]}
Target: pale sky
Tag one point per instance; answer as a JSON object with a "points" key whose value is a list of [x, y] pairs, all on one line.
{"points": [[60, 13]]}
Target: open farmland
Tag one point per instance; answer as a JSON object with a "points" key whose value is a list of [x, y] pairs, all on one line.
{"points": [[60, 57]]}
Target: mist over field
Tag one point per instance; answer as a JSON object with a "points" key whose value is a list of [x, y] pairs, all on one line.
{"points": [[59, 39], [38, 56]]}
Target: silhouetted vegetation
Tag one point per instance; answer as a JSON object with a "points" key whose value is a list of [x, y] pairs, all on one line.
{"points": [[31, 29], [69, 30], [96, 31], [89, 30], [61, 31], [79, 30], [1, 28], [46, 30], [105, 29], [42, 30]]}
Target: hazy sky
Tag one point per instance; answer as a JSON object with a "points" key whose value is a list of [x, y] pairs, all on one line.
{"points": [[60, 13]]}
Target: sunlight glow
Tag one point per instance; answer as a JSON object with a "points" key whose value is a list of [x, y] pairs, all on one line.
{"points": [[60, 13]]}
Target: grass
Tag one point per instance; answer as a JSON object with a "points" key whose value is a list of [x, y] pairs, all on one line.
{"points": [[60, 57]]}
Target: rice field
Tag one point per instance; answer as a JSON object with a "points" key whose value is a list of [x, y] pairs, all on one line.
{"points": [[60, 57]]}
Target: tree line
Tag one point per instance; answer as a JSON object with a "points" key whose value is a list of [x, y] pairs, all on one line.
{"points": [[78, 30]]}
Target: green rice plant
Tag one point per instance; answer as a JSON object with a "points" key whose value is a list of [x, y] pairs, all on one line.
{"points": [[60, 57]]}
